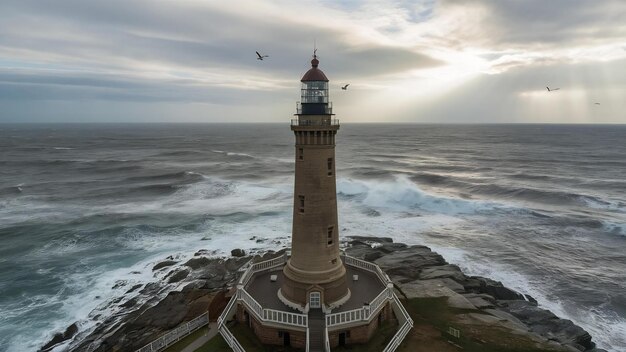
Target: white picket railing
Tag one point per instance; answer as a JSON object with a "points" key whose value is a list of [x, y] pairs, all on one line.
{"points": [[367, 266], [230, 339], [326, 341], [407, 323], [364, 313], [264, 265], [250, 302], [307, 340], [221, 325], [175, 335], [288, 318], [360, 314]]}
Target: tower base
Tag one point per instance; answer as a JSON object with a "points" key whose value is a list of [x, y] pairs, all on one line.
{"points": [[298, 285]]}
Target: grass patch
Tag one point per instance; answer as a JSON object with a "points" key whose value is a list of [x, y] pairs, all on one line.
{"points": [[432, 317], [377, 343], [180, 345], [246, 338]]}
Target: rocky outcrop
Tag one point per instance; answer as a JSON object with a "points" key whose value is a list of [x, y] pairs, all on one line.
{"points": [[419, 272], [60, 337], [238, 252], [416, 271], [145, 317]]}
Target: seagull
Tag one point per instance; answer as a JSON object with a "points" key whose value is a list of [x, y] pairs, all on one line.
{"points": [[550, 90], [260, 57], [345, 87]]}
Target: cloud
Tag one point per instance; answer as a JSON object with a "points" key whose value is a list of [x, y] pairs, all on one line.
{"points": [[145, 53]]}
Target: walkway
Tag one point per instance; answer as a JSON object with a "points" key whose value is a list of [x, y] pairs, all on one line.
{"points": [[202, 339], [316, 330]]}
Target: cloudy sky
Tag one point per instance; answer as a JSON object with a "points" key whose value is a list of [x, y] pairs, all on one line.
{"points": [[406, 61]]}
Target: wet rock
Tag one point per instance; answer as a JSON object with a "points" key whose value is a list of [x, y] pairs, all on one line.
{"points": [[151, 289], [196, 263], [178, 275], [164, 264], [545, 323], [443, 271], [238, 252], [408, 262], [130, 303], [134, 288], [201, 252], [119, 283], [60, 337], [497, 290], [364, 239]]}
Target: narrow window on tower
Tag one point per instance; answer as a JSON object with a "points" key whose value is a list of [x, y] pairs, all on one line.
{"points": [[301, 198], [330, 166], [301, 153], [329, 237]]}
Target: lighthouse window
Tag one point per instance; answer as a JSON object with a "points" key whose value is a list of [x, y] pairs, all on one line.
{"points": [[301, 153], [330, 166], [331, 229], [301, 198]]}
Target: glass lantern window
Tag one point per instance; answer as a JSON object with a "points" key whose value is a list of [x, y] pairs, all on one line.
{"points": [[314, 92]]}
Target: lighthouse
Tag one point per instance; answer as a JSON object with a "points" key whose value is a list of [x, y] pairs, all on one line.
{"points": [[315, 274], [313, 297]]}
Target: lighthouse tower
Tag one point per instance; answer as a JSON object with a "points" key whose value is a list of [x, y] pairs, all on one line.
{"points": [[314, 275], [314, 298]]}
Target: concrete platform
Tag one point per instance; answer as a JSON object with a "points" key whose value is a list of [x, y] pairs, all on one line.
{"points": [[363, 291]]}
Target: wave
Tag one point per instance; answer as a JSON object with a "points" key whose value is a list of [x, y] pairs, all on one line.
{"points": [[232, 153], [186, 176], [541, 195], [182, 153], [402, 193], [63, 148], [614, 228], [12, 190]]}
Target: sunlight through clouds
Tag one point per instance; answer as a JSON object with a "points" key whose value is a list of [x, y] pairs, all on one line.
{"points": [[406, 61]]}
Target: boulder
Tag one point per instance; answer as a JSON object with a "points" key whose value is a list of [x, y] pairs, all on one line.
{"points": [[196, 263], [408, 262], [545, 323], [60, 337], [443, 271], [163, 264], [178, 275], [497, 290], [238, 252]]}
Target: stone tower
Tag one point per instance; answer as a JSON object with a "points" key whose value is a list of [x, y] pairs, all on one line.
{"points": [[315, 274]]}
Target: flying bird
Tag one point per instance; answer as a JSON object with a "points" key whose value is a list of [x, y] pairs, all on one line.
{"points": [[550, 90], [260, 57], [345, 87]]}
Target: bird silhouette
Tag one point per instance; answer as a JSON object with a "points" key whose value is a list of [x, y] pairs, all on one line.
{"points": [[261, 57], [553, 89], [345, 87]]}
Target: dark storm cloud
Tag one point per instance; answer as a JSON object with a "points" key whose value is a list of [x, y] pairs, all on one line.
{"points": [[54, 54], [21, 85], [203, 38]]}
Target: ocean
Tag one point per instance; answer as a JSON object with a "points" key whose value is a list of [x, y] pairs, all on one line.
{"points": [[541, 208]]}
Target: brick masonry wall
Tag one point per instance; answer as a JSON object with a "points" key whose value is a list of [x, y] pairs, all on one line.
{"points": [[270, 335], [361, 334]]}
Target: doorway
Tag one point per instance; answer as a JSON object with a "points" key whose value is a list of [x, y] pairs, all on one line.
{"points": [[286, 339], [342, 339]]}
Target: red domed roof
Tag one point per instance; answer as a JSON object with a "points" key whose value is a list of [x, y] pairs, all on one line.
{"points": [[314, 74]]}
